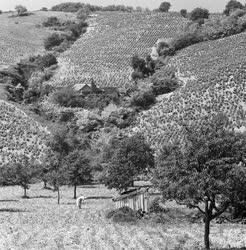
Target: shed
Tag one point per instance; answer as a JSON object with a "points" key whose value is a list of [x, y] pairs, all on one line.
{"points": [[135, 199], [83, 88]]}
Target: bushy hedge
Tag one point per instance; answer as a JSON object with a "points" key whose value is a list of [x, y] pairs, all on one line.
{"points": [[53, 40], [51, 21], [143, 99]]}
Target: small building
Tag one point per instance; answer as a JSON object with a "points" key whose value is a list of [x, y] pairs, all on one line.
{"points": [[135, 199], [83, 88]]}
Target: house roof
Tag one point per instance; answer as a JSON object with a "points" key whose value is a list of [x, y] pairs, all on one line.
{"points": [[80, 86], [131, 193]]}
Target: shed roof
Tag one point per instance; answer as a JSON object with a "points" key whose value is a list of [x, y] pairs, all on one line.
{"points": [[80, 86], [132, 193]]}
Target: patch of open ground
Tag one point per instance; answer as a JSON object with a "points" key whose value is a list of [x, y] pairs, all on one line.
{"points": [[39, 223]]}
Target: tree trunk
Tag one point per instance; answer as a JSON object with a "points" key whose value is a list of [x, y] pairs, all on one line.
{"points": [[58, 195], [24, 193], [45, 185], [74, 192], [207, 226]]}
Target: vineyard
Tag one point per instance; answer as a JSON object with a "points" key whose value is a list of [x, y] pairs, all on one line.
{"points": [[23, 36], [214, 80], [19, 134], [105, 51]]}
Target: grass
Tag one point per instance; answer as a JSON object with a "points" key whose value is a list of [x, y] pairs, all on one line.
{"points": [[39, 223], [23, 36]]}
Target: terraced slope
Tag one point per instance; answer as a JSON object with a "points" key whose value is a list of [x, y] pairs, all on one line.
{"points": [[104, 52], [19, 134], [214, 77], [22, 36]]}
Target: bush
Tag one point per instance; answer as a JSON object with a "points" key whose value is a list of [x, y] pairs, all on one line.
{"points": [[123, 214], [155, 206], [21, 10], [44, 9], [186, 39], [198, 14], [52, 41], [238, 13], [67, 97], [183, 12], [143, 99], [1, 12], [231, 6], [164, 85], [165, 6], [46, 61], [137, 75], [51, 21], [83, 13]]}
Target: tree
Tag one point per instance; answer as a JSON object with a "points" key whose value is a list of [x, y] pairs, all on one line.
{"points": [[59, 148], [83, 13], [198, 14], [207, 172], [165, 6], [52, 41], [183, 12], [21, 10], [231, 6], [131, 156], [78, 170], [20, 173]]}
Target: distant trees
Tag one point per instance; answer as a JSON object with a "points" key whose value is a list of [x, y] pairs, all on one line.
{"points": [[44, 9], [183, 13], [206, 172], [199, 14], [164, 7], [130, 157], [231, 6], [21, 10]]}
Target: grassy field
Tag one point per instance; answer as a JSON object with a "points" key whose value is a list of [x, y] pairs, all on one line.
{"points": [[23, 36], [39, 223]]}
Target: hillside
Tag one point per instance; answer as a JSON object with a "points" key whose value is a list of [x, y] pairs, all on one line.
{"points": [[19, 134], [23, 36], [214, 80], [105, 51]]}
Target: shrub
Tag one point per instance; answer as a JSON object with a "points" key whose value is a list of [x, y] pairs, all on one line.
{"points": [[164, 85], [83, 13], [123, 214], [143, 99], [137, 75], [186, 39], [1, 12], [21, 10], [46, 61], [51, 21], [183, 12], [199, 13], [231, 6], [44, 9], [165, 6], [67, 97], [52, 41], [155, 206], [238, 13]]}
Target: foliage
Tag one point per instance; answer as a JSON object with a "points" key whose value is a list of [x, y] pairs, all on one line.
{"points": [[78, 170], [44, 9], [155, 206], [232, 5], [143, 99], [21, 10], [131, 157], [53, 40], [51, 21], [20, 173], [183, 13], [199, 13], [123, 214], [165, 6], [206, 172], [83, 13]]}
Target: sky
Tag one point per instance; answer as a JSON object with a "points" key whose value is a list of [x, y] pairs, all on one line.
{"points": [[212, 5]]}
